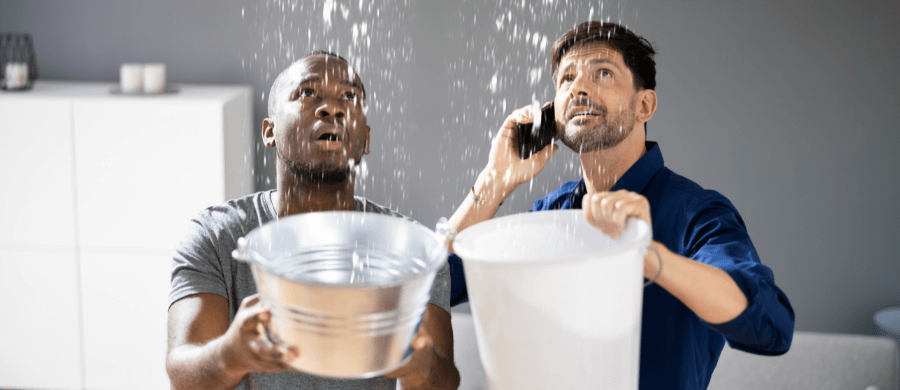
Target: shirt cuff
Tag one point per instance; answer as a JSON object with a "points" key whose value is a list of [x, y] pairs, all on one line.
{"points": [[458, 292], [765, 327]]}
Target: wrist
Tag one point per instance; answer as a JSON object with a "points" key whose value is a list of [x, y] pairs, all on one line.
{"points": [[652, 264], [230, 365], [491, 189]]}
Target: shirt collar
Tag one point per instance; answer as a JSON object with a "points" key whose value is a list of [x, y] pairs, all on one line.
{"points": [[635, 178]]}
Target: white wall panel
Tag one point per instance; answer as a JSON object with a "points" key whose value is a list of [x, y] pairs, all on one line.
{"points": [[40, 335], [36, 203], [125, 301]]}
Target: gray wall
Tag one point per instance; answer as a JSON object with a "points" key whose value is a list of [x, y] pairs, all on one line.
{"points": [[792, 111]]}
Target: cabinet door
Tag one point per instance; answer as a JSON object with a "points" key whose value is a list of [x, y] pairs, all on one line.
{"points": [[125, 304], [40, 334], [38, 196], [144, 167]]}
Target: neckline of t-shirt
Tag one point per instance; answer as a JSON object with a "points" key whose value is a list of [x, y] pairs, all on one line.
{"points": [[270, 205], [359, 204]]}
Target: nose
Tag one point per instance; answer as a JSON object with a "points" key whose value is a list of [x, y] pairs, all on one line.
{"points": [[581, 86], [329, 109]]}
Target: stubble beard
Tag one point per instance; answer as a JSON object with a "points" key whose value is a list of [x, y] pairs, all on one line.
{"points": [[605, 134], [316, 174]]}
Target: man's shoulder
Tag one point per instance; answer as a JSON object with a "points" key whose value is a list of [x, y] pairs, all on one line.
{"points": [[675, 190], [202, 261], [555, 199], [243, 211], [368, 206]]}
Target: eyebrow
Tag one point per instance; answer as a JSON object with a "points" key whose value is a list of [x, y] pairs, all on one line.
{"points": [[592, 61], [316, 79]]}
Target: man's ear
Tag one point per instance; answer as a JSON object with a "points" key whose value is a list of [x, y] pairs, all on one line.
{"points": [[366, 150], [268, 132], [646, 105]]}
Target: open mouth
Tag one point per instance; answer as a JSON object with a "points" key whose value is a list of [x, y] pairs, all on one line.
{"points": [[583, 114], [329, 137]]}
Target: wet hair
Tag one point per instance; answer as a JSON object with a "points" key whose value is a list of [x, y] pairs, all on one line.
{"points": [[637, 51], [281, 80]]}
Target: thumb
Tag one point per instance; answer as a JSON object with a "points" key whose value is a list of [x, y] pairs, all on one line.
{"points": [[255, 317]]}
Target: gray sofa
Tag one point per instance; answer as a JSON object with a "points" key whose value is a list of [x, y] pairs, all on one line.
{"points": [[815, 361], [818, 361]]}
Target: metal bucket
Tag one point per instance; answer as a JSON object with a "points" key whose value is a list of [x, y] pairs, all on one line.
{"points": [[348, 289]]}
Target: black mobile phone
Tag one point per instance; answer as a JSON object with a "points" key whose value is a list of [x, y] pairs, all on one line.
{"points": [[534, 137]]}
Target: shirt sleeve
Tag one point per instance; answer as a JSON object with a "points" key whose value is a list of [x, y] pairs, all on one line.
{"points": [[196, 268], [719, 238], [441, 291]]}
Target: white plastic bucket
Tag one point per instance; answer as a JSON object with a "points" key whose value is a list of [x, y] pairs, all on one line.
{"points": [[556, 303]]}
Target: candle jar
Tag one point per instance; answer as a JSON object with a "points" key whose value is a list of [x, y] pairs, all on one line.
{"points": [[154, 78], [18, 68], [16, 75], [131, 78]]}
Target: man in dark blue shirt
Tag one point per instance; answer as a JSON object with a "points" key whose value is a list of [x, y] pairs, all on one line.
{"points": [[712, 287]]}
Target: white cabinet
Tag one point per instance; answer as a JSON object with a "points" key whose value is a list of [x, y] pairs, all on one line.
{"points": [[96, 190], [150, 166]]}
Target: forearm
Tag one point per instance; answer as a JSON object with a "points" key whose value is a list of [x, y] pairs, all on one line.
{"points": [[708, 291], [492, 191], [443, 376], [198, 367]]}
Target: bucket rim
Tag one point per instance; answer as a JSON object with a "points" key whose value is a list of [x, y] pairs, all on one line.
{"points": [[468, 255], [248, 255]]}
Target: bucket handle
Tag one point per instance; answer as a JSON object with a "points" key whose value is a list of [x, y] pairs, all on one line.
{"points": [[240, 253], [659, 271]]}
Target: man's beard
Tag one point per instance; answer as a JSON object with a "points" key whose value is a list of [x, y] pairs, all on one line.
{"points": [[322, 173], [605, 134]]}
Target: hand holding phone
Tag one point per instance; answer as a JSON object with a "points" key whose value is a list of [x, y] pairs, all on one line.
{"points": [[534, 137]]}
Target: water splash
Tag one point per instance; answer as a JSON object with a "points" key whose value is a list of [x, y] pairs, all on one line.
{"points": [[378, 49], [499, 62], [505, 66]]}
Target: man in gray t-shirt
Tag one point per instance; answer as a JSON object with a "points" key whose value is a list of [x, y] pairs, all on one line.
{"points": [[317, 126], [203, 264]]}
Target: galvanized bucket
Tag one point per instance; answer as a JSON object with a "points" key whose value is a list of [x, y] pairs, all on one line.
{"points": [[348, 289]]}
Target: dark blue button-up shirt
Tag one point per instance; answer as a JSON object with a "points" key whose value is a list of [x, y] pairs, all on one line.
{"points": [[678, 349]]}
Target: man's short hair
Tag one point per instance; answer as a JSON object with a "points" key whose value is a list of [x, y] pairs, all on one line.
{"points": [[281, 79], [637, 51]]}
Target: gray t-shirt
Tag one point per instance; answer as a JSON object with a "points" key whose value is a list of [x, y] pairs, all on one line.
{"points": [[202, 263]]}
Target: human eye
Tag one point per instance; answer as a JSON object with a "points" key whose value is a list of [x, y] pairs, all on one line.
{"points": [[350, 96], [602, 76], [566, 78], [306, 92]]}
